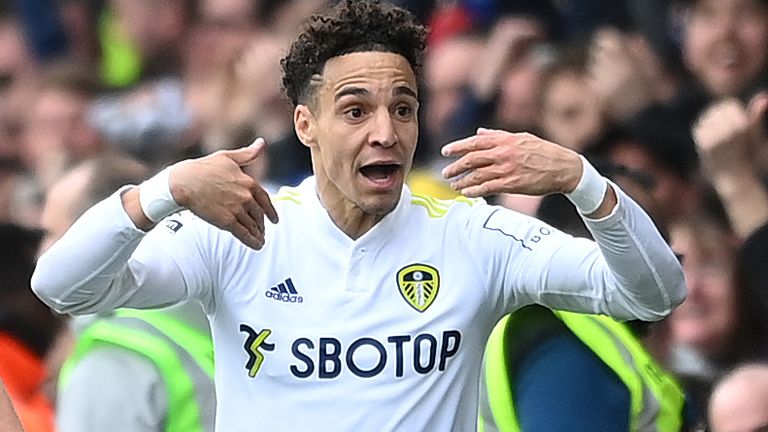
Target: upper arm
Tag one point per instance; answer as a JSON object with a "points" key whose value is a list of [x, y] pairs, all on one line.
{"points": [[103, 262], [177, 258], [527, 261], [629, 273]]}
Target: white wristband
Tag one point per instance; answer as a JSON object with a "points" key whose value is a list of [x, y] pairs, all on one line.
{"points": [[589, 193], [155, 197]]}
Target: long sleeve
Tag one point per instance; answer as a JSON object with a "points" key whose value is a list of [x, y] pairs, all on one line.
{"points": [[103, 262], [629, 272]]}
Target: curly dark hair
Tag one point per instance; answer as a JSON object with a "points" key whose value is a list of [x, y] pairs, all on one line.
{"points": [[350, 26]]}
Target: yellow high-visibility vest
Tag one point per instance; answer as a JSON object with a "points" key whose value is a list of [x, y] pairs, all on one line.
{"points": [[656, 398]]}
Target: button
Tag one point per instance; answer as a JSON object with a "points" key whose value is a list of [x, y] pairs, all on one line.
{"points": [[363, 250]]}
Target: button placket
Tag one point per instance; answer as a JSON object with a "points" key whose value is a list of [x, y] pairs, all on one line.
{"points": [[357, 260]]}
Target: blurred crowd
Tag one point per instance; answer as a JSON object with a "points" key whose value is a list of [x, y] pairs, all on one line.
{"points": [[668, 98]]}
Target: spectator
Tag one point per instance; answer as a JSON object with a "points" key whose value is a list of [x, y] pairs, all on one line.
{"points": [[570, 110], [724, 45], [721, 323], [56, 132], [654, 147]]}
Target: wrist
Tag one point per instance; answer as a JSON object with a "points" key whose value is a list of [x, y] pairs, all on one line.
{"points": [[155, 197], [589, 192]]}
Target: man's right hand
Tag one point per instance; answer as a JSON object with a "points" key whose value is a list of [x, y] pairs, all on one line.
{"points": [[216, 189]]}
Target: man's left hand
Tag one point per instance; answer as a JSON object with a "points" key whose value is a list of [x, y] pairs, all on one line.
{"points": [[495, 161]]}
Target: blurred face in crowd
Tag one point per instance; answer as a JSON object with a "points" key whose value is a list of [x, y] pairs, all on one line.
{"points": [[14, 55], [228, 11], [740, 402], [707, 318], [673, 195], [570, 110], [448, 68], [362, 129], [519, 93], [57, 126], [150, 24], [725, 43]]}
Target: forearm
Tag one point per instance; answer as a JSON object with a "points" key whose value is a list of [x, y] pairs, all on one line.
{"points": [[745, 200], [641, 277], [88, 269]]}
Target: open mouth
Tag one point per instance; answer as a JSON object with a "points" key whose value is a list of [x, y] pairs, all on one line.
{"points": [[382, 174]]}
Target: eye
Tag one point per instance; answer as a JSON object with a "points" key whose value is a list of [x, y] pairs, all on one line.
{"points": [[404, 111], [354, 113]]}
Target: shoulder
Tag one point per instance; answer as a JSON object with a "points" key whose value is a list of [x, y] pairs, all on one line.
{"points": [[290, 196], [444, 209]]}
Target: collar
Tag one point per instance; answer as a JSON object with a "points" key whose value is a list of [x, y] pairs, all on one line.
{"points": [[322, 222]]}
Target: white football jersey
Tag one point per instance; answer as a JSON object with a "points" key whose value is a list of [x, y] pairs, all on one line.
{"points": [[317, 331]]}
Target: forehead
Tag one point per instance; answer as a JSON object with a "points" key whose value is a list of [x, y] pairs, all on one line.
{"points": [[373, 71], [726, 5]]}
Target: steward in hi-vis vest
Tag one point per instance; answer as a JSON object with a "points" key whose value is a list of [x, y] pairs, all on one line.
{"points": [[648, 399], [161, 353]]}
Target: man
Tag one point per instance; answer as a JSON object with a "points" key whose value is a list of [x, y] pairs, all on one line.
{"points": [[363, 300], [739, 402], [129, 370]]}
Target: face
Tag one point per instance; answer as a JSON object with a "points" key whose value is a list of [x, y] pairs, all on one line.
{"points": [[448, 69], [149, 24], [570, 111], [56, 124], [725, 43], [707, 317], [362, 131], [519, 94], [674, 197]]}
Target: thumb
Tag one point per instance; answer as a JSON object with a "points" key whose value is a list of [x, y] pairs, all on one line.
{"points": [[757, 107], [246, 155]]}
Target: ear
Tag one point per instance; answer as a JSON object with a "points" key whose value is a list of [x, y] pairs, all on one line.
{"points": [[304, 124]]}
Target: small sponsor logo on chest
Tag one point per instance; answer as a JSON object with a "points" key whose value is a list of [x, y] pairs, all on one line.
{"points": [[284, 292]]}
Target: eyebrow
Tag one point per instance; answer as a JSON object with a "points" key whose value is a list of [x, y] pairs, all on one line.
{"points": [[359, 91], [355, 91], [403, 90]]}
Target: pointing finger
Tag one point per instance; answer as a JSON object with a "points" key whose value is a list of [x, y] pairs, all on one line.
{"points": [[466, 145], [468, 162], [262, 199]]}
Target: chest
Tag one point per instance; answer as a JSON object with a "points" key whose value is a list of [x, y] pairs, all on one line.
{"points": [[366, 311]]}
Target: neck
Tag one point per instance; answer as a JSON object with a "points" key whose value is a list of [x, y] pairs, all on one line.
{"points": [[345, 214]]}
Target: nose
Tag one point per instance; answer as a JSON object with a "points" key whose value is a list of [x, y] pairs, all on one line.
{"points": [[727, 25], [382, 132], [695, 279]]}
